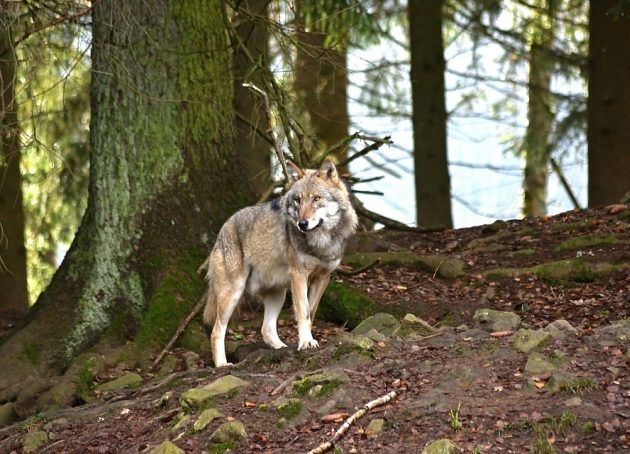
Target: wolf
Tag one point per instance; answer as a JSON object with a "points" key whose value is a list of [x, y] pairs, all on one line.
{"points": [[293, 242]]}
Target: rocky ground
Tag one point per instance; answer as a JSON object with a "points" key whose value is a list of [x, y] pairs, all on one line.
{"points": [[518, 342]]}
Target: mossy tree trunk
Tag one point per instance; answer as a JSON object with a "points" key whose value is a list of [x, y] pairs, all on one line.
{"points": [[433, 187], [608, 105], [251, 54], [162, 156], [13, 291], [539, 113]]}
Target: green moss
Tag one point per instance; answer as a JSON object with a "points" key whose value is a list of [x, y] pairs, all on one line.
{"points": [[585, 242], [220, 448], [343, 305], [440, 265], [578, 385], [499, 274], [290, 409], [84, 380], [31, 352], [176, 294], [522, 253], [588, 427], [570, 226]]}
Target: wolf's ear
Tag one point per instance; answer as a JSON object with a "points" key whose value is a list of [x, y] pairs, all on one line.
{"points": [[328, 171], [294, 171]]}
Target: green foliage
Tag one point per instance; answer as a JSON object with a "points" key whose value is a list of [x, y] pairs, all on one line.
{"points": [[453, 415], [53, 98]]}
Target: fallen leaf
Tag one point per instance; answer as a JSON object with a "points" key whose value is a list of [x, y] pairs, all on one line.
{"points": [[334, 417], [616, 208], [249, 404], [502, 333]]}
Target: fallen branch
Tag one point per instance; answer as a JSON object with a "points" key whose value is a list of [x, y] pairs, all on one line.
{"points": [[360, 270], [346, 425], [180, 329], [393, 224]]}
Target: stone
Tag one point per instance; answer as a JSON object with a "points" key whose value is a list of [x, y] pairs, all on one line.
{"points": [[528, 340], [167, 447], [181, 421], [560, 329], [386, 324], [491, 320], [34, 440], [202, 398], [443, 446], [7, 415], [205, 418], [538, 363], [329, 381], [418, 325], [289, 408], [573, 402], [230, 431], [375, 426], [130, 380]]}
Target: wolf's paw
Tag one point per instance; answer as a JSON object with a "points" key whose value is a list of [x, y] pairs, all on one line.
{"points": [[307, 343], [225, 364]]}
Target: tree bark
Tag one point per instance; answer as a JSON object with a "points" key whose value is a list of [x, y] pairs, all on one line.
{"points": [[251, 65], [162, 160], [321, 85], [432, 181], [13, 287], [539, 115], [608, 104]]}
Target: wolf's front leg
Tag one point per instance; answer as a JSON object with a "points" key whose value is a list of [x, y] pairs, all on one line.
{"points": [[315, 291], [302, 311]]}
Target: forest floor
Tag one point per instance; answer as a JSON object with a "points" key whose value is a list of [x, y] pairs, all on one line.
{"points": [[460, 379]]}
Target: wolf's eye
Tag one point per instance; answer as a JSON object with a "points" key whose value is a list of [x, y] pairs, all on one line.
{"points": [[316, 198], [297, 200]]}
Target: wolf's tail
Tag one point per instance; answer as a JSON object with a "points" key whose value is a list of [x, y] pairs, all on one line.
{"points": [[210, 312]]}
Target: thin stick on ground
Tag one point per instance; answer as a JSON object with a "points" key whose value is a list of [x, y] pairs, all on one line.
{"points": [[346, 425], [180, 329], [360, 270]]}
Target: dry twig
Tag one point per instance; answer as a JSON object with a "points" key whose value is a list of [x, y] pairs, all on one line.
{"points": [[346, 425], [360, 270]]}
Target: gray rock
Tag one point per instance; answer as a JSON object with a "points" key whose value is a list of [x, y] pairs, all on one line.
{"points": [[491, 320], [417, 324], [573, 402], [560, 329], [527, 340], [201, 398], [386, 324], [443, 446]]}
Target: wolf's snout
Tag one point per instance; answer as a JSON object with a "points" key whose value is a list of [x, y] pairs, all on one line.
{"points": [[303, 225]]}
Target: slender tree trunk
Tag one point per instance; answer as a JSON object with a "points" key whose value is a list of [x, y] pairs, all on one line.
{"points": [[539, 115], [433, 188], [13, 290], [608, 104], [163, 177], [251, 65], [321, 84]]}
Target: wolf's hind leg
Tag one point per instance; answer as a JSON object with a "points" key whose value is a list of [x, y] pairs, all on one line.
{"points": [[227, 300], [273, 301]]}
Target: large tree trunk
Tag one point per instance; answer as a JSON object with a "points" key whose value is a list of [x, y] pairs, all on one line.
{"points": [[539, 115], [13, 291], [433, 187], [162, 158], [321, 85], [608, 104], [251, 55]]}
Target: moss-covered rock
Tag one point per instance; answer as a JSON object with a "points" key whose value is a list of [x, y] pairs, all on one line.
{"points": [[528, 340], [167, 447], [32, 441], [441, 265], [585, 242], [443, 446], [231, 431], [289, 408], [204, 397], [538, 363], [7, 414], [327, 381], [345, 306], [375, 426], [206, 417], [129, 380], [413, 324], [386, 324], [492, 320]]}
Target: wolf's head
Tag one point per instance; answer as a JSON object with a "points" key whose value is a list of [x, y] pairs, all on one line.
{"points": [[317, 198]]}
